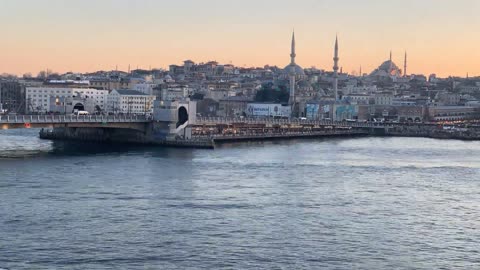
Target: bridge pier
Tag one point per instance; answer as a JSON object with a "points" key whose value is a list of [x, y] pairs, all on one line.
{"points": [[96, 134]]}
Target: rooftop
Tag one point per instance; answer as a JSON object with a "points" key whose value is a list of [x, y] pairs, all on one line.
{"points": [[127, 92]]}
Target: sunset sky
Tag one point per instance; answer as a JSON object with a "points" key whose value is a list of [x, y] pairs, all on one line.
{"points": [[441, 36]]}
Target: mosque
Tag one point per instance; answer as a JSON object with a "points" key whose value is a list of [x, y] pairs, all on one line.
{"points": [[389, 70], [299, 86], [302, 93]]}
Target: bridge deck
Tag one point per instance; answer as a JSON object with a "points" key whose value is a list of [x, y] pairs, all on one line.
{"points": [[65, 119], [222, 120]]}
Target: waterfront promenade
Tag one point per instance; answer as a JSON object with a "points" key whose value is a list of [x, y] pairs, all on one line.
{"points": [[244, 128]]}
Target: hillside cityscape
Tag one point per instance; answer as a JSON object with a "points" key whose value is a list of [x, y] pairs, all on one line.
{"points": [[272, 134], [388, 93]]}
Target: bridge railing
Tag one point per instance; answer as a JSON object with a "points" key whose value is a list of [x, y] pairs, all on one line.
{"points": [[73, 118], [224, 120]]}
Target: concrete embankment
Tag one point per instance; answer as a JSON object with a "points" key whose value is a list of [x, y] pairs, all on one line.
{"points": [[286, 136], [434, 132], [206, 142], [122, 136], [131, 136]]}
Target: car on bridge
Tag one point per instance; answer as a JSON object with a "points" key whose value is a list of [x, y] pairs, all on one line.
{"points": [[81, 113]]}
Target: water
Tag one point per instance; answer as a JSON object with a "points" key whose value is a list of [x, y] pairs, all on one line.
{"points": [[368, 203]]}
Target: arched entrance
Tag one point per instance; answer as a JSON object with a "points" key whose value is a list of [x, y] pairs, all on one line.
{"points": [[182, 116], [79, 107]]}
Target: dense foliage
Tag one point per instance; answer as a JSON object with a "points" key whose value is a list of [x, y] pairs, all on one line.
{"points": [[271, 93]]}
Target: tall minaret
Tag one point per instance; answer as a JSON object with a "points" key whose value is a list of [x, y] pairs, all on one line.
{"points": [[292, 73], [361, 74], [405, 65], [335, 69], [292, 54], [391, 63]]}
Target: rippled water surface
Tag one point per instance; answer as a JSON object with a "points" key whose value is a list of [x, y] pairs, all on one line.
{"points": [[368, 203]]}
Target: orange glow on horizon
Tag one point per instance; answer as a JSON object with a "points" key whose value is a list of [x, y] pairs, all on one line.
{"points": [[439, 35]]}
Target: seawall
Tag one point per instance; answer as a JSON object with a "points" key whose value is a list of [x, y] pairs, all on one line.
{"points": [[105, 135]]}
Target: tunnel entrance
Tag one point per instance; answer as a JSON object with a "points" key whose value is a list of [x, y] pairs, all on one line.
{"points": [[79, 107], [182, 116]]}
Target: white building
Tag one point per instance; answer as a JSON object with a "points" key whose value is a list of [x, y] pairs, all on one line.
{"points": [[383, 98], [130, 102], [146, 88], [357, 98], [352, 89], [175, 92], [38, 99]]}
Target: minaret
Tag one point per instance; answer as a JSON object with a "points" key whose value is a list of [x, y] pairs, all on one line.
{"points": [[292, 54], [361, 74], [391, 63], [292, 74], [335, 69], [405, 65]]}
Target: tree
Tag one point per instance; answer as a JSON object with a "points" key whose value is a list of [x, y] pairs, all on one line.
{"points": [[54, 76], [8, 76], [42, 75], [271, 93]]}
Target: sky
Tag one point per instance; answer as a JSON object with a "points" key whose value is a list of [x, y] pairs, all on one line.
{"points": [[440, 36]]}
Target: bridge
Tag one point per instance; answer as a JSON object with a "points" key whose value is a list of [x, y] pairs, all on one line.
{"points": [[136, 122], [300, 122], [38, 121], [205, 131], [258, 127]]}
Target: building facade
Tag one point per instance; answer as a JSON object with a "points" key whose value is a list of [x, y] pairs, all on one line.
{"points": [[12, 97], [129, 102], [233, 106], [39, 99]]}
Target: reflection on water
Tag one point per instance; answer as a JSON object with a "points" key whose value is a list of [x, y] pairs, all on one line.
{"points": [[25, 143], [21, 143], [365, 203]]}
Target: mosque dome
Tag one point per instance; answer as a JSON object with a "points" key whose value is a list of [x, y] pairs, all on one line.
{"points": [[298, 70], [387, 69], [388, 66]]}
